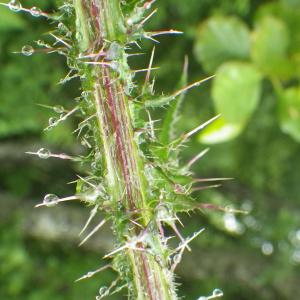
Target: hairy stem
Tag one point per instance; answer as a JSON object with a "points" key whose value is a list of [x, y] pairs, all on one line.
{"points": [[101, 29]]}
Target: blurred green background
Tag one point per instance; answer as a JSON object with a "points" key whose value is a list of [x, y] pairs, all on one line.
{"points": [[254, 49]]}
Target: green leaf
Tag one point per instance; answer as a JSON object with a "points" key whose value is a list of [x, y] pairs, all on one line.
{"points": [[220, 131], [236, 91], [289, 112], [221, 39], [270, 46], [289, 13]]}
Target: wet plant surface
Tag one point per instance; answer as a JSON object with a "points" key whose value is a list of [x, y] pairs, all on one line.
{"points": [[128, 167]]}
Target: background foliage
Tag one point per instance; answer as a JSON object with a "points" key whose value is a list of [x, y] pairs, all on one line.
{"points": [[254, 49]]}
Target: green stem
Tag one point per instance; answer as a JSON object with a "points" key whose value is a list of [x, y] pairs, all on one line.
{"points": [[99, 24]]}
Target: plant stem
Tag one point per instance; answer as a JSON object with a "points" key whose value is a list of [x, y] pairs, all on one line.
{"points": [[100, 26]]}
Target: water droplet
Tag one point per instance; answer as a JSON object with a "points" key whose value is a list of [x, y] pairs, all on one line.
{"points": [[50, 200], [267, 248], [229, 209], [90, 195], [217, 293], [61, 26], [43, 153], [59, 109], [159, 260], [202, 298], [298, 234], [14, 5], [35, 11], [27, 50], [40, 43], [53, 122], [103, 291]]}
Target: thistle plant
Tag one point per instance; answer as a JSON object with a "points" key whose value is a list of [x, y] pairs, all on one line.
{"points": [[134, 179]]}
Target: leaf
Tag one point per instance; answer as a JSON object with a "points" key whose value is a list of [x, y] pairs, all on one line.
{"points": [[288, 11], [289, 112], [221, 39], [167, 133], [270, 46], [236, 91], [220, 131]]}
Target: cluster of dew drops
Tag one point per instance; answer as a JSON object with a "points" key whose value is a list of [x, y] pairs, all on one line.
{"points": [[49, 200], [16, 6]]}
